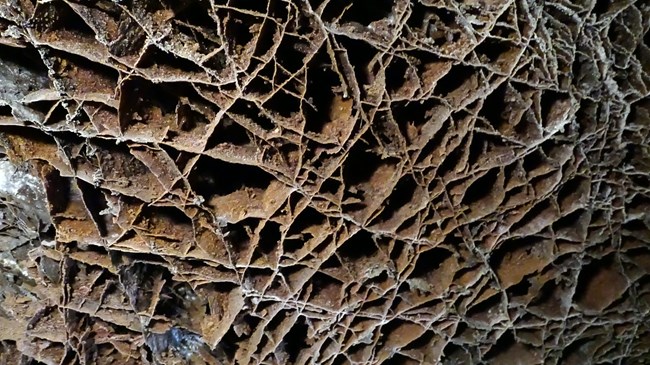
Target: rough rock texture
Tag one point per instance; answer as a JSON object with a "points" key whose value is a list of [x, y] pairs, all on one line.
{"points": [[324, 181]]}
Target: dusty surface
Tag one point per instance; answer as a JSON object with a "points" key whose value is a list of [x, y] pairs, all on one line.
{"points": [[324, 182]]}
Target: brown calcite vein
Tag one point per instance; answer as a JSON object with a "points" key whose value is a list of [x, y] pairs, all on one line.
{"points": [[324, 182]]}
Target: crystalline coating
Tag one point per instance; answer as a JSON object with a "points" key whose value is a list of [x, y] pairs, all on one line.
{"points": [[324, 182]]}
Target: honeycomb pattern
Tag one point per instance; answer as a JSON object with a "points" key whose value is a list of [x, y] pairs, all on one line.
{"points": [[325, 182]]}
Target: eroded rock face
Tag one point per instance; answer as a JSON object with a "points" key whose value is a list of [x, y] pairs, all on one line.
{"points": [[325, 182]]}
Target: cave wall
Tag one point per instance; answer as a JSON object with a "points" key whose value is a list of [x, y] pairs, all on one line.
{"points": [[324, 182]]}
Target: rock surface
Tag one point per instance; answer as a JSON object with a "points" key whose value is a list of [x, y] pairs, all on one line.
{"points": [[324, 182]]}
